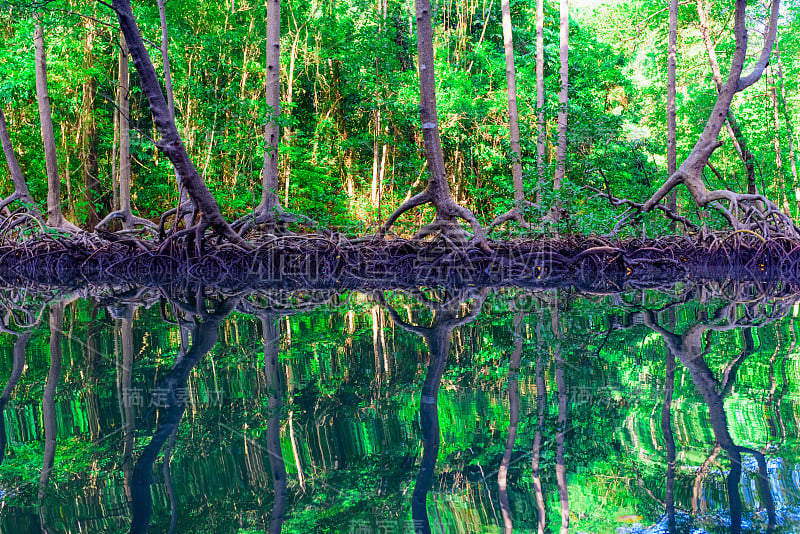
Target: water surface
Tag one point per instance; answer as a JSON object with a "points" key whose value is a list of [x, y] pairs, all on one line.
{"points": [[430, 411]]}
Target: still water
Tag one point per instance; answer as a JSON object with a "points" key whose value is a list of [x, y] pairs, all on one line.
{"points": [[157, 410]]}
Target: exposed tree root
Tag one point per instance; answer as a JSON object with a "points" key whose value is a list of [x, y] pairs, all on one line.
{"points": [[751, 212], [446, 222], [326, 262], [516, 214], [129, 221], [274, 221]]}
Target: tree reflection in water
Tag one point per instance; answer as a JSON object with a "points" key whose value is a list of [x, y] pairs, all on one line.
{"points": [[437, 338], [375, 446], [688, 348], [204, 337]]}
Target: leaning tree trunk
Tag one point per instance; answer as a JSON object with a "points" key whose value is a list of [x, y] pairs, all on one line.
{"points": [[437, 191], [55, 218], [184, 204], [21, 191], [731, 125], [517, 212], [171, 143], [745, 211]]}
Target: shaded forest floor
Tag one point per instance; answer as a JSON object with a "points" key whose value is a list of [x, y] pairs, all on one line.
{"points": [[335, 262]]}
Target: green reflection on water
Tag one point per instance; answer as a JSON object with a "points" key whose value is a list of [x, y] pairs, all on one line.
{"points": [[325, 418]]}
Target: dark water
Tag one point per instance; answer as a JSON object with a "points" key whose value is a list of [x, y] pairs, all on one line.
{"points": [[428, 411]]}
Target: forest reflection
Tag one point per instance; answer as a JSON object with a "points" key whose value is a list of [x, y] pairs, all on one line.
{"points": [[425, 410]]}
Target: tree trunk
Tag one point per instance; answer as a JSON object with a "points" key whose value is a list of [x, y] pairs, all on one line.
{"points": [[690, 173], [89, 136], [183, 197], [114, 156], [732, 126], [672, 128], [170, 143], [516, 213], [269, 173], [162, 14], [437, 191], [55, 218], [287, 133], [563, 103], [540, 131], [125, 211], [513, 116]]}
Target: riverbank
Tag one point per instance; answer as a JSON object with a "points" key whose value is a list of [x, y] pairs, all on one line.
{"points": [[334, 261]]}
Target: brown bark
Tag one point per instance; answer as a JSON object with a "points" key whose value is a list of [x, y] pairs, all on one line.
{"points": [[170, 143], [269, 211], [513, 115], [92, 194], [745, 211], [269, 174], [162, 14], [516, 213], [672, 59], [55, 217], [21, 191], [437, 191], [731, 126], [183, 197], [114, 156], [125, 212]]}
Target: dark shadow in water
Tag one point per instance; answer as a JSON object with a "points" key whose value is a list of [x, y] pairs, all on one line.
{"points": [[689, 350], [437, 337], [169, 388]]}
